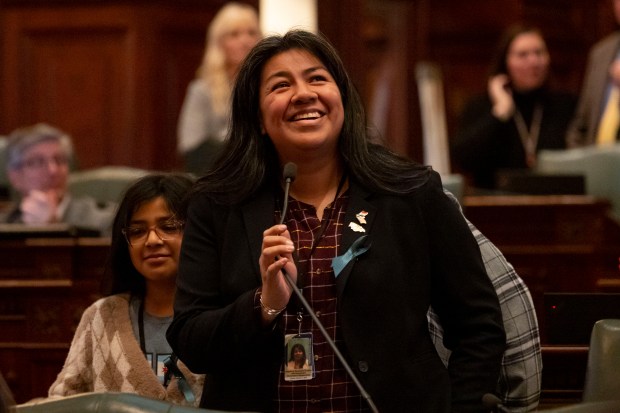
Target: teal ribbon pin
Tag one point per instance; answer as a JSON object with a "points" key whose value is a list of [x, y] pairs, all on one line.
{"points": [[341, 261]]}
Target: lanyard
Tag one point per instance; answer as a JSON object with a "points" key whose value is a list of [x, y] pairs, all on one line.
{"points": [[529, 137], [171, 368], [141, 326], [317, 239]]}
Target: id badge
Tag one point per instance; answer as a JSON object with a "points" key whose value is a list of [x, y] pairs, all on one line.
{"points": [[299, 360]]}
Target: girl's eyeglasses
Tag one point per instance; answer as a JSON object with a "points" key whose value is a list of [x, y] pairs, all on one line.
{"points": [[137, 234]]}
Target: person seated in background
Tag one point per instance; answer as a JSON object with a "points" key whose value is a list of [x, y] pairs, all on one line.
{"points": [[203, 121], [38, 160], [593, 122], [120, 343], [517, 117]]}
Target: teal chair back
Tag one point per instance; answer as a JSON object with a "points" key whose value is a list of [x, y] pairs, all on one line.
{"points": [[106, 403], [593, 407], [104, 184], [603, 368], [599, 165], [454, 183]]}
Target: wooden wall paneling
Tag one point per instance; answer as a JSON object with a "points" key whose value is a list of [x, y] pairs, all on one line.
{"points": [[179, 50], [45, 285], [570, 29], [464, 46], [373, 38], [118, 70], [29, 369], [390, 74], [112, 75], [341, 21], [70, 69]]}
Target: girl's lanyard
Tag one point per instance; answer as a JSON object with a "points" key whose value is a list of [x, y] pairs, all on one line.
{"points": [[171, 368]]}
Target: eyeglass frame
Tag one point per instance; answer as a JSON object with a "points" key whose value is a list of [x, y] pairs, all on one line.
{"points": [[41, 162], [179, 225]]}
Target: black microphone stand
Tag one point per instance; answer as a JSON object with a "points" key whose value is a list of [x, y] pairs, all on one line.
{"points": [[290, 170]]}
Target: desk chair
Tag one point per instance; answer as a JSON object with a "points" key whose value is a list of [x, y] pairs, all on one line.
{"points": [[599, 165], [107, 403], [104, 184], [603, 369], [593, 407], [454, 183]]}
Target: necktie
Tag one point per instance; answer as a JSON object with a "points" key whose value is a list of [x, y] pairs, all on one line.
{"points": [[610, 120]]}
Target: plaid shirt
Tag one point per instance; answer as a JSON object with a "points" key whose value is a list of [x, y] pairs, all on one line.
{"points": [[520, 376], [331, 390]]}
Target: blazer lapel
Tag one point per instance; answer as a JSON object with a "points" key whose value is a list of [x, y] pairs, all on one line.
{"points": [[357, 204], [258, 215]]}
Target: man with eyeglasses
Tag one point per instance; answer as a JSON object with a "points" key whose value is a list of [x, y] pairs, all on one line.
{"points": [[38, 159]]}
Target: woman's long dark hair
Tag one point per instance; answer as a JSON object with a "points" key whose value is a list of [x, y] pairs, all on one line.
{"points": [[120, 274], [249, 159]]}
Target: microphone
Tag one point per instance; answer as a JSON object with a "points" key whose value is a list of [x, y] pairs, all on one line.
{"points": [[492, 403], [290, 173]]}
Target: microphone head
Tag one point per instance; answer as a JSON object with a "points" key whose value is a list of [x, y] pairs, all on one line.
{"points": [[290, 171], [491, 401]]}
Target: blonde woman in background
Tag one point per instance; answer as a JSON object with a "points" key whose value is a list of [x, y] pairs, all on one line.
{"points": [[203, 121]]}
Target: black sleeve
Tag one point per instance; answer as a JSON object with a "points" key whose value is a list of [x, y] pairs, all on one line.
{"points": [[466, 303], [216, 326]]}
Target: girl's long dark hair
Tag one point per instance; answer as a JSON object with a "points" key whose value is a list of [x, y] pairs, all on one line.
{"points": [[249, 159], [120, 274]]}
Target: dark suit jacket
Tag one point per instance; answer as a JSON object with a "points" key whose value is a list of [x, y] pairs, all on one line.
{"points": [[83, 212], [421, 253], [584, 126]]}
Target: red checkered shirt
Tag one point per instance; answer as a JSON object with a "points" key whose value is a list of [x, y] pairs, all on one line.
{"points": [[331, 390]]}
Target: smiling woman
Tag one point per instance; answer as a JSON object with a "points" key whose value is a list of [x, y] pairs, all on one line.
{"points": [[301, 108], [139, 287], [293, 102]]}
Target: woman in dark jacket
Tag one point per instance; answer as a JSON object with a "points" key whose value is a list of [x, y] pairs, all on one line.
{"points": [[519, 115], [369, 237]]}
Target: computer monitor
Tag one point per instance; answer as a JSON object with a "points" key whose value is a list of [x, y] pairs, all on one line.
{"points": [[569, 317]]}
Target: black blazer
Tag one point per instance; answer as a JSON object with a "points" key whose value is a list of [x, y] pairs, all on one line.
{"points": [[421, 253]]}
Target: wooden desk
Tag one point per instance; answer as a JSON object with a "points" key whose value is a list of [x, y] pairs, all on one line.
{"points": [[560, 243], [557, 243], [45, 285], [564, 372]]}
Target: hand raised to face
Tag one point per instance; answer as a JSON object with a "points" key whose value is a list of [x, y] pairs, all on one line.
{"points": [[40, 207]]}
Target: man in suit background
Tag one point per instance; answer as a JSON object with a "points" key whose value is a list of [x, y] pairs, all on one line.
{"points": [[38, 159], [602, 75]]}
